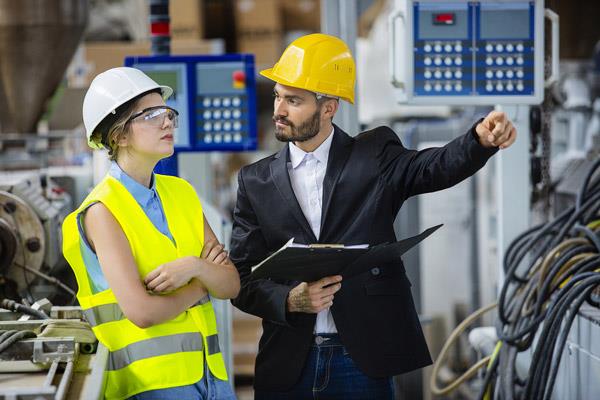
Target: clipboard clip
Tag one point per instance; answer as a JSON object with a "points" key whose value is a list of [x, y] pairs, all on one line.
{"points": [[326, 246]]}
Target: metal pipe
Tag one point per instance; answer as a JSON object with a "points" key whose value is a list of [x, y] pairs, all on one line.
{"points": [[51, 374], [64, 382]]}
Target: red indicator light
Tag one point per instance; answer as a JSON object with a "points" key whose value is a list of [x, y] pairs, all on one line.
{"points": [[443, 19]]}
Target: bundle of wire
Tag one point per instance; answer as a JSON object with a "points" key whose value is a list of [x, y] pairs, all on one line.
{"points": [[550, 271]]}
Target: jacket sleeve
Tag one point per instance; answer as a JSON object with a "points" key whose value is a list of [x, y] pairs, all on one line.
{"points": [[411, 172], [262, 297]]}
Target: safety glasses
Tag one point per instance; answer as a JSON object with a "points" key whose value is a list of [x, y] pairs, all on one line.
{"points": [[155, 116]]}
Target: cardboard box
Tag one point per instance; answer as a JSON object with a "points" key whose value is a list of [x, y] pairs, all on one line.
{"points": [[267, 47], [301, 15], [257, 16], [101, 56], [186, 19]]}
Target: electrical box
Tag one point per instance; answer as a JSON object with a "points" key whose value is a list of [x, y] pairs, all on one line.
{"points": [[470, 52], [215, 97]]}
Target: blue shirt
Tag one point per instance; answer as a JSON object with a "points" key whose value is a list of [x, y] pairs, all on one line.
{"points": [[148, 200]]}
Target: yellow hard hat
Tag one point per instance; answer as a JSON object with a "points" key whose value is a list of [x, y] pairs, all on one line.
{"points": [[320, 63]]}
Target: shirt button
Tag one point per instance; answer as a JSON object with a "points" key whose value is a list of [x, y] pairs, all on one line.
{"points": [[375, 271]]}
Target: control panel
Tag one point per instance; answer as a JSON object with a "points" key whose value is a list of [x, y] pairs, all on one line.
{"points": [[215, 97], [475, 52]]}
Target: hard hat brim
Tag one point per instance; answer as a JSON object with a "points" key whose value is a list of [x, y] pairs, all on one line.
{"points": [[268, 73]]}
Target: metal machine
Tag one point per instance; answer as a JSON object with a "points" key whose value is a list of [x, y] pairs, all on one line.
{"points": [[462, 52]]}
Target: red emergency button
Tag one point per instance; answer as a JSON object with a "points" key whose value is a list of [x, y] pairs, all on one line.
{"points": [[239, 79]]}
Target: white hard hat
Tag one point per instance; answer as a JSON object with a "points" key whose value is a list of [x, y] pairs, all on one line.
{"points": [[111, 89]]}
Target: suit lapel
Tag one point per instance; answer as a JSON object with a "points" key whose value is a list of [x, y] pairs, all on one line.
{"points": [[281, 178], [338, 155]]}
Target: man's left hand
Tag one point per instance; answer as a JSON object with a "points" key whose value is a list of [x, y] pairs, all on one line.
{"points": [[496, 130]]}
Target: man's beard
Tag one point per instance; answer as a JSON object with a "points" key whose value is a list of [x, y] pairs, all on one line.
{"points": [[302, 133]]}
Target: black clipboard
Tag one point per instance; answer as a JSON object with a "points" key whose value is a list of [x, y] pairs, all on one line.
{"points": [[313, 262]]}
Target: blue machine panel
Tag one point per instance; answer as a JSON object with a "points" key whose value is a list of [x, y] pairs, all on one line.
{"points": [[215, 97], [473, 48]]}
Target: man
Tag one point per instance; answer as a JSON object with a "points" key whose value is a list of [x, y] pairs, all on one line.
{"points": [[333, 338]]}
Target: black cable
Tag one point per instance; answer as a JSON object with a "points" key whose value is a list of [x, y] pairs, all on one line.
{"points": [[8, 340], [20, 308]]}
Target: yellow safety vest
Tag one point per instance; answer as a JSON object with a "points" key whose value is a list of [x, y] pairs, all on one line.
{"points": [[168, 354]]}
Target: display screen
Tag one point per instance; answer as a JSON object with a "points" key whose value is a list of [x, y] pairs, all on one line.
{"points": [[505, 21], [443, 21]]}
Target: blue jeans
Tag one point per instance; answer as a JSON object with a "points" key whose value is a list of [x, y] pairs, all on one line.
{"points": [[330, 373], [207, 388]]}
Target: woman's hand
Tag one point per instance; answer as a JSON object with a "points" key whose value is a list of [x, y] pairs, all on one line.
{"points": [[172, 275], [214, 252]]}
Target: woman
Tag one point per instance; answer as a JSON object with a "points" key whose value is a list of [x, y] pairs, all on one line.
{"points": [[146, 261]]}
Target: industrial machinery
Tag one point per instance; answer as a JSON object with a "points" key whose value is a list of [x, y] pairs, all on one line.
{"points": [[461, 52], [32, 208], [216, 96]]}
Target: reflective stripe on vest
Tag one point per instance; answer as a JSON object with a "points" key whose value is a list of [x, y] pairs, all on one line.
{"points": [[212, 343], [112, 312], [158, 346]]}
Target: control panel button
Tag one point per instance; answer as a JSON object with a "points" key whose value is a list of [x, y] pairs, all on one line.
{"points": [[520, 60], [499, 48], [510, 61], [437, 48], [448, 61], [448, 48], [520, 74], [489, 60], [489, 87], [226, 114], [489, 74], [227, 138], [510, 48], [520, 87], [458, 47], [227, 126], [217, 127], [237, 138], [437, 61], [458, 61], [427, 48], [438, 87], [458, 74], [236, 101], [427, 87], [217, 114], [208, 139], [216, 102], [489, 48], [458, 87], [236, 113], [237, 125], [207, 126], [206, 102], [448, 74], [226, 102], [520, 47], [510, 73], [427, 61], [427, 74], [499, 87], [218, 138], [448, 87], [510, 87], [499, 61], [437, 74], [499, 74], [207, 114]]}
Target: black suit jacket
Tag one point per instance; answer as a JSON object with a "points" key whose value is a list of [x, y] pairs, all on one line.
{"points": [[368, 178]]}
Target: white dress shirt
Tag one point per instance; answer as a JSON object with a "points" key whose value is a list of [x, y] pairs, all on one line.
{"points": [[307, 171]]}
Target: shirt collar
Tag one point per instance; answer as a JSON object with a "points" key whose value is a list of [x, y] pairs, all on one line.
{"points": [[140, 193], [321, 153]]}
